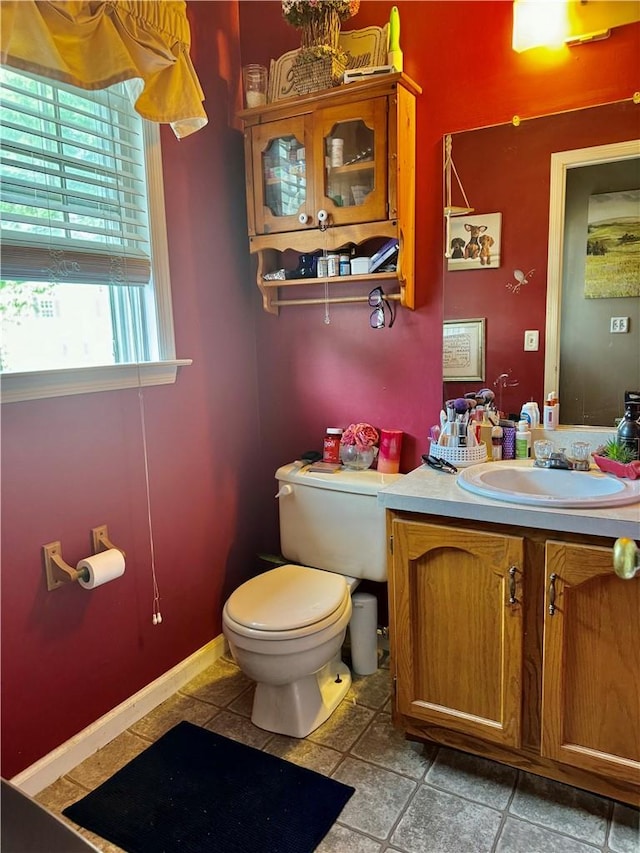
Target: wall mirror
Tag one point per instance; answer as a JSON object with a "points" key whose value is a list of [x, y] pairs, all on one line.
{"points": [[594, 192], [506, 170]]}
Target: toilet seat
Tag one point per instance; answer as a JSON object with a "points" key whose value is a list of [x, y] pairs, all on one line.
{"points": [[287, 601]]}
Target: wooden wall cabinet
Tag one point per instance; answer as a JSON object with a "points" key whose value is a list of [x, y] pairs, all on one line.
{"points": [[518, 645], [347, 151]]}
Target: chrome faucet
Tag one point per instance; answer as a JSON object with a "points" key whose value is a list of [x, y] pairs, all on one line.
{"points": [[560, 461]]}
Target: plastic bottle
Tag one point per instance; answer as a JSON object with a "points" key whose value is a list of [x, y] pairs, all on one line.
{"points": [[530, 412], [331, 445], [523, 440], [551, 412], [485, 437], [629, 430], [496, 443]]}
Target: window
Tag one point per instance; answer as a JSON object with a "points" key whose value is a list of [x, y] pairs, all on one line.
{"points": [[84, 286]]}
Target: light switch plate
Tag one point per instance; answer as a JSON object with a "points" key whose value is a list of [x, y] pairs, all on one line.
{"points": [[531, 340]]}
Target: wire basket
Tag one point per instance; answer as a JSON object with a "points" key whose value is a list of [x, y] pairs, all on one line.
{"points": [[461, 457], [317, 73]]}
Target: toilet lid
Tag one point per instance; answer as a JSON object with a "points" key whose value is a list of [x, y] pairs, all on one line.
{"points": [[286, 598]]}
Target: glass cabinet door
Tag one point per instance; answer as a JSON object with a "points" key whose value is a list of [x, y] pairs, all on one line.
{"points": [[282, 190], [354, 177]]}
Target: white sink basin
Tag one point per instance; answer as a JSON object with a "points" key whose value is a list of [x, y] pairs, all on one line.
{"points": [[524, 484]]}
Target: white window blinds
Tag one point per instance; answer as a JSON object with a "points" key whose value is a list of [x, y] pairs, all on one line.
{"points": [[74, 200]]}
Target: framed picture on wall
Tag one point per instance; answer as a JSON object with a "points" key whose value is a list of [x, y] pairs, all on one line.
{"points": [[474, 242], [612, 266], [463, 350]]}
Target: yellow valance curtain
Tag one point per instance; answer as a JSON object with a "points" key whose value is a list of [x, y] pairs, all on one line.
{"points": [[93, 44]]}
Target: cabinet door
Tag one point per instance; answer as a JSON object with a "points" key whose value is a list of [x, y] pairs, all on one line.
{"points": [[350, 157], [591, 663], [456, 630], [281, 189]]}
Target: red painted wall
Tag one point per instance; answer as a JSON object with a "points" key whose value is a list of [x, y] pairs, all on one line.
{"points": [[261, 389], [72, 463], [318, 375]]}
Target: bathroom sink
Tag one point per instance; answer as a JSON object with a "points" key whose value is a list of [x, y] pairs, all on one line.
{"points": [[524, 484]]}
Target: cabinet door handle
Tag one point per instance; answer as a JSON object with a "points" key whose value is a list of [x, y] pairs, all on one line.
{"points": [[626, 559], [552, 593], [512, 585]]}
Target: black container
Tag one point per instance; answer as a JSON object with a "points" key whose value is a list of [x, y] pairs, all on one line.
{"points": [[629, 429]]}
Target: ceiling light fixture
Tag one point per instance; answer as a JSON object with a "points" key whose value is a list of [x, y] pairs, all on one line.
{"points": [[554, 23]]}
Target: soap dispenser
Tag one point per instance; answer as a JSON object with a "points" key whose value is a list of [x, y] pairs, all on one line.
{"points": [[629, 429]]}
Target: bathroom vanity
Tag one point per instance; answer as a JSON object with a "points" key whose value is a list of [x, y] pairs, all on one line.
{"points": [[511, 636]]}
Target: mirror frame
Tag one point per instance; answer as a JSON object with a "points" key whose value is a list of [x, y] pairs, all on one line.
{"points": [[561, 162]]}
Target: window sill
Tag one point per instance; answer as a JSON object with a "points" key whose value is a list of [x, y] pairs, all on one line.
{"points": [[38, 385]]}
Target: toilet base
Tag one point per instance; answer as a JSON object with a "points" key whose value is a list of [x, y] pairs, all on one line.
{"points": [[298, 708]]}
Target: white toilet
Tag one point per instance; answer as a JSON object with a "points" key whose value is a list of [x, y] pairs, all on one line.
{"points": [[286, 627]]}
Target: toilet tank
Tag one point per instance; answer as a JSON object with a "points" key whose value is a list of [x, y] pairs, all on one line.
{"points": [[333, 521]]}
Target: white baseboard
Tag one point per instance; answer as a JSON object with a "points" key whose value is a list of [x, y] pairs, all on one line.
{"points": [[72, 752]]}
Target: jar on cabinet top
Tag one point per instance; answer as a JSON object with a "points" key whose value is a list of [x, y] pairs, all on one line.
{"points": [[331, 445]]}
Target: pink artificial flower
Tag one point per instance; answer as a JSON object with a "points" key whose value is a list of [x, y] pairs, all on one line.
{"points": [[362, 435]]}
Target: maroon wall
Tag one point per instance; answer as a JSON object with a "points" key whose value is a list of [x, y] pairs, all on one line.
{"points": [[72, 463], [314, 375], [261, 389]]}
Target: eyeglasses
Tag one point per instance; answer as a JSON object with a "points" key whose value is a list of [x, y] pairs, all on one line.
{"points": [[378, 301]]}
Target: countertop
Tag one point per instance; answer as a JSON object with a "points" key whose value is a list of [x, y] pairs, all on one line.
{"points": [[436, 493]]}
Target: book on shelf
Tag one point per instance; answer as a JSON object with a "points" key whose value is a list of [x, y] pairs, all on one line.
{"points": [[383, 254]]}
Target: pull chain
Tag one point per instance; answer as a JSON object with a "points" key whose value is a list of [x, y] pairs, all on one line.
{"points": [[323, 224]]}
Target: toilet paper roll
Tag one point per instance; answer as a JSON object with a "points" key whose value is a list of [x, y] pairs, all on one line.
{"points": [[102, 568]]}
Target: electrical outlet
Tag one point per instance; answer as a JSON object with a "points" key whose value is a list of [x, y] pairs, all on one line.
{"points": [[531, 340], [619, 325]]}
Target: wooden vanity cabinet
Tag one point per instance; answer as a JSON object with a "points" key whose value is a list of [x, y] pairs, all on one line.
{"points": [[457, 603], [591, 663], [366, 186], [519, 645]]}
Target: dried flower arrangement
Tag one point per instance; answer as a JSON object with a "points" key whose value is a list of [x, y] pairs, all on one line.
{"points": [[320, 62], [310, 14]]}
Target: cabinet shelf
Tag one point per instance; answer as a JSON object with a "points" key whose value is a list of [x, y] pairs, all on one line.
{"points": [[333, 279], [350, 168]]}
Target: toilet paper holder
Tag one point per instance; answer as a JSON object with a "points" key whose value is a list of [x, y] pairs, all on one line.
{"points": [[59, 572]]}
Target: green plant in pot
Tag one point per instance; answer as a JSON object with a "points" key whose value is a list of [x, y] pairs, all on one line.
{"points": [[617, 451]]}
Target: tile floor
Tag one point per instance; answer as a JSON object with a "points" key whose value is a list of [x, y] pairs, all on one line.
{"points": [[409, 798]]}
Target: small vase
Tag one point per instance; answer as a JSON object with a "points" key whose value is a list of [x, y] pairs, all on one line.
{"points": [[357, 458]]}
